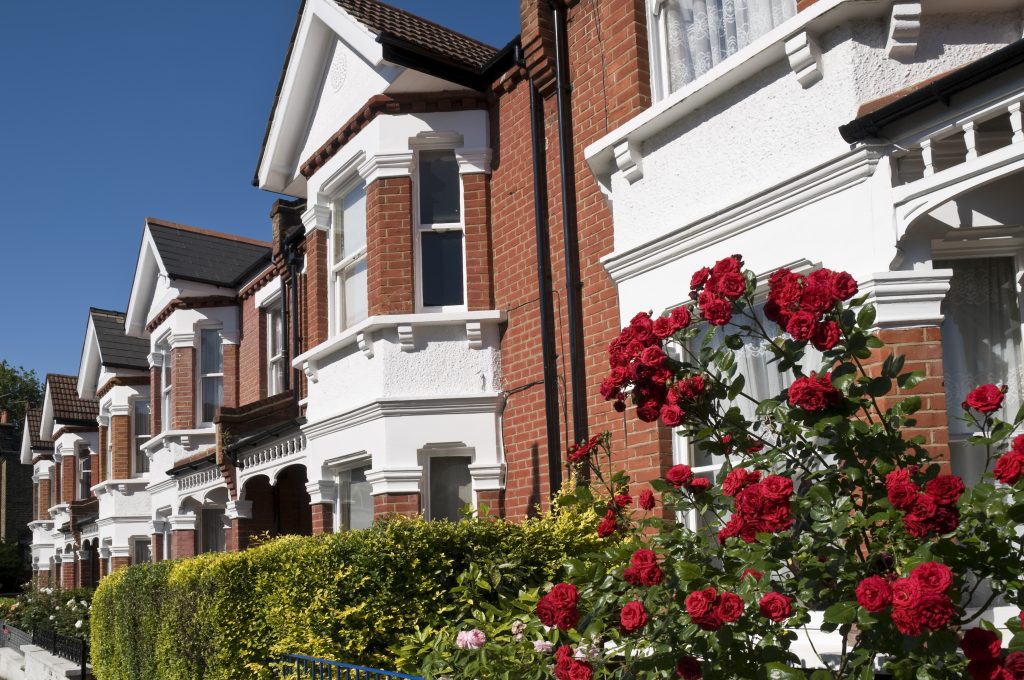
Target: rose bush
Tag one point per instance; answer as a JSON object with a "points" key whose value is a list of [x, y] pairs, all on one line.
{"points": [[826, 502]]}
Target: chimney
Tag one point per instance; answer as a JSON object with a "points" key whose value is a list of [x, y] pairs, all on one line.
{"points": [[284, 216]]}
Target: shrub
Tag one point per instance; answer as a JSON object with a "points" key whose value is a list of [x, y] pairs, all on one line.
{"points": [[354, 596], [53, 609]]}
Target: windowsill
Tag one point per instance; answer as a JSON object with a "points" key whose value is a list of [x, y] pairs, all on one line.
{"points": [[125, 486], [310, 359], [60, 507], [155, 443]]}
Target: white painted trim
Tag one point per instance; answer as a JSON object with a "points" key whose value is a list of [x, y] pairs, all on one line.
{"points": [[908, 299], [126, 487], [839, 174], [394, 480], [268, 294], [322, 491], [397, 408]]}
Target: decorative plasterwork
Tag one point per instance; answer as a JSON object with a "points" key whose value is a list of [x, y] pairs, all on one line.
{"points": [[904, 29], [804, 58], [322, 492], [156, 359], [183, 522], [229, 337], [182, 340], [473, 161], [406, 338], [629, 159], [364, 341], [487, 476], [379, 166], [909, 298], [309, 368], [272, 454], [400, 408], [238, 509], [475, 335], [395, 480], [317, 217], [200, 478]]}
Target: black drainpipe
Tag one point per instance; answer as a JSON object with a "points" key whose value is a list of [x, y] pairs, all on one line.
{"points": [[573, 285], [549, 355], [291, 309]]}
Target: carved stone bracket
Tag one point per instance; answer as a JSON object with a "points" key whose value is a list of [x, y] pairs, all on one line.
{"points": [[904, 30], [629, 160], [475, 335], [365, 343], [804, 58], [406, 338]]}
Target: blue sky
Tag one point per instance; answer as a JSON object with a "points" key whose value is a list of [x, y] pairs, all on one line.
{"points": [[117, 110]]}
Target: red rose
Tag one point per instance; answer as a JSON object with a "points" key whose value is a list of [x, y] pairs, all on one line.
{"points": [[622, 500], [580, 670], [754, 573], [980, 644], [1014, 665], [564, 595], [737, 479], [690, 389], [649, 411], [945, 489], [906, 593], [663, 327], [825, 335], [935, 611], [680, 317], [652, 356], [688, 668], [716, 311], [986, 399], [801, 325], [775, 606], [906, 621], [874, 593], [678, 475], [732, 528], [814, 393], [700, 602], [631, 575], [646, 499], [933, 577], [776, 488], [607, 526], [844, 286], [671, 415], [777, 517], [903, 495], [566, 619], [643, 558], [546, 611], [633, 616], [728, 265], [731, 285], [729, 607], [698, 485], [650, 576], [990, 669], [700, 277], [750, 501], [1010, 467], [816, 299], [707, 622]]}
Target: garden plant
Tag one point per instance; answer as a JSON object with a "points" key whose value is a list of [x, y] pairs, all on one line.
{"points": [[827, 505]]}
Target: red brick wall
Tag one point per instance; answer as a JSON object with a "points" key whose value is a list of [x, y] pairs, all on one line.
{"points": [[100, 471], [252, 369], [67, 574], [237, 536], [610, 85], [120, 562], [44, 498], [67, 481], [183, 388], [156, 547], [389, 246], [396, 504], [183, 543], [323, 518], [477, 219], [494, 500], [315, 296], [231, 377], [155, 401], [121, 440]]}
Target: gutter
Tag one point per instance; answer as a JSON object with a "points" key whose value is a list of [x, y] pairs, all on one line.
{"points": [[939, 92]]}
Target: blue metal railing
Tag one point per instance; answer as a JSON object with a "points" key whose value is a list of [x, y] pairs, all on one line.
{"points": [[303, 667]]}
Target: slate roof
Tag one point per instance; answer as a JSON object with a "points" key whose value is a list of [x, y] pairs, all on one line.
{"points": [[34, 420], [67, 407], [117, 350], [426, 35], [206, 256]]}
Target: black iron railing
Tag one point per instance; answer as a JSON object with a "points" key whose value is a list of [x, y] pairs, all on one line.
{"points": [[13, 637], [73, 649], [302, 667]]}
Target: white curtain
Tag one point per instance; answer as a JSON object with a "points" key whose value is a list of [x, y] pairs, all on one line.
{"points": [[981, 343], [701, 33]]}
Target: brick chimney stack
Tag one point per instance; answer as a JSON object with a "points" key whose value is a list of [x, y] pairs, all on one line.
{"points": [[284, 216]]}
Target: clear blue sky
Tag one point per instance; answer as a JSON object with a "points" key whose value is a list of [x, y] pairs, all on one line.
{"points": [[117, 110]]}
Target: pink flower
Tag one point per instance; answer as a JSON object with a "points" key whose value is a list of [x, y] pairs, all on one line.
{"points": [[470, 639]]}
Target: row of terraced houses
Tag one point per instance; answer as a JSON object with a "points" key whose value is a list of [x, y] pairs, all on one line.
{"points": [[468, 227]]}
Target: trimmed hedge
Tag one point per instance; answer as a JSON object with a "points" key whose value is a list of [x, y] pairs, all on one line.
{"points": [[353, 596]]}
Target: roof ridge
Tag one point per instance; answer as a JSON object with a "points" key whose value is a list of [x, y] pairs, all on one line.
{"points": [[434, 23], [100, 310], [208, 232]]}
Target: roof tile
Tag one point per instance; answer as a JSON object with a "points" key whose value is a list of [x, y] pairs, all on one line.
{"points": [[67, 407]]}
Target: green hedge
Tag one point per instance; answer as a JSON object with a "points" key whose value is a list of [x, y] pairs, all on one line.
{"points": [[353, 596]]}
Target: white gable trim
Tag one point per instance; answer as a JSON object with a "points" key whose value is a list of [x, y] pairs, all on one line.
{"points": [[46, 421], [147, 269], [89, 366]]}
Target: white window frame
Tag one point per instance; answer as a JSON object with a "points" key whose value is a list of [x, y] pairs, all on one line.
{"points": [[163, 348], [418, 228], [201, 538], [136, 446], [337, 269], [135, 543], [83, 458], [342, 478], [275, 360], [438, 451], [108, 453], [199, 375]]}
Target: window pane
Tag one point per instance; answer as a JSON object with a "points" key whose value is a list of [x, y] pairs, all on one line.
{"points": [[353, 207], [212, 352], [356, 501], [442, 268], [213, 397], [450, 487], [356, 300], [142, 553], [212, 530], [439, 187], [141, 418]]}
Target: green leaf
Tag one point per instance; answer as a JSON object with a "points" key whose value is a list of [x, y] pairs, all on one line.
{"points": [[1016, 513], [734, 341], [879, 387], [822, 675], [841, 613], [892, 365], [910, 380], [1016, 643], [866, 316], [780, 671]]}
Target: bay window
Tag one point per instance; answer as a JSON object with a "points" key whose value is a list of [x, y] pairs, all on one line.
{"points": [[981, 343], [164, 350], [355, 504], [211, 378], [140, 434], [348, 259], [275, 349], [439, 231], [449, 487], [84, 474], [690, 37]]}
